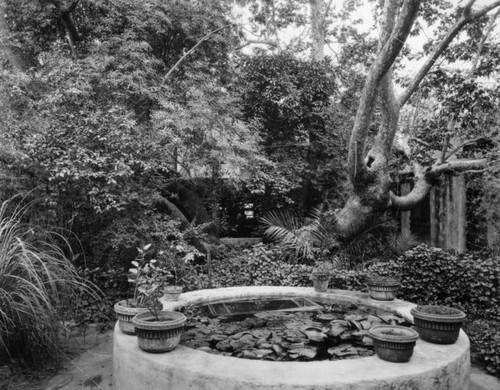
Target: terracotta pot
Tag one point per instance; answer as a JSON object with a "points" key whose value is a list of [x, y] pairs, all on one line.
{"points": [[124, 314], [172, 293], [159, 336], [320, 281], [393, 343], [383, 289], [438, 324]]}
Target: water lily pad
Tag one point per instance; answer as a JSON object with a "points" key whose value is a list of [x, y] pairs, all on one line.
{"points": [[361, 333], [343, 350], [223, 346], [347, 335], [314, 334], [367, 340], [391, 319], [278, 349], [262, 352], [366, 324], [296, 345], [326, 317], [354, 317], [307, 352], [337, 327], [250, 355], [217, 337]]}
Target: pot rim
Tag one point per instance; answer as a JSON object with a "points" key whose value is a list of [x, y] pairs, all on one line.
{"points": [[173, 288], [406, 335], [383, 281], [320, 275], [121, 307], [421, 313], [173, 320]]}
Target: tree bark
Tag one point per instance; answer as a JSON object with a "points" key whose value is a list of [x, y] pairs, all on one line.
{"points": [[317, 30], [12, 53], [369, 170]]}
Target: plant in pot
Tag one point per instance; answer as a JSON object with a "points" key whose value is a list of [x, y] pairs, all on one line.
{"points": [[178, 258], [383, 288], [393, 343], [157, 330], [313, 239], [321, 276], [127, 309], [438, 324]]}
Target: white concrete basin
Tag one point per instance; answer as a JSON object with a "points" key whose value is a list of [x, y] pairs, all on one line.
{"points": [[432, 366]]}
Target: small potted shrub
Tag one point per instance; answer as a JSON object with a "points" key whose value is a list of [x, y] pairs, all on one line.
{"points": [[157, 331], [438, 324], [172, 293], [382, 288], [127, 309], [393, 343], [178, 258], [321, 276]]}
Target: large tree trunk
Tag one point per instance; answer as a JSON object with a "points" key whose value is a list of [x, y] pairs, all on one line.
{"points": [[12, 53], [371, 183], [317, 30]]}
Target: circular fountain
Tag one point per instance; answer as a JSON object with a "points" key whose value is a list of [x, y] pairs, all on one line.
{"points": [[432, 366]]}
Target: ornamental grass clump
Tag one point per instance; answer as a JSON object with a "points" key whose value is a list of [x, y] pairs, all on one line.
{"points": [[37, 281]]}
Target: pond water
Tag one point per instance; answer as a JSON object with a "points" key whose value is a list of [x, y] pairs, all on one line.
{"points": [[296, 329]]}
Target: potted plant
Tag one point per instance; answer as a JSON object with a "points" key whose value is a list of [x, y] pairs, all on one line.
{"points": [[178, 258], [382, 288], [157, 331], [438, 324], [321, 276], [172, 293], [128, 308], [393, 343]]}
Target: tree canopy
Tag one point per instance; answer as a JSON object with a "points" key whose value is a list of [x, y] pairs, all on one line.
{"points": [[107, 103]]}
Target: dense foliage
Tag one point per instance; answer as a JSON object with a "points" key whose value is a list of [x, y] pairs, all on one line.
{"points": [[290, 100]]}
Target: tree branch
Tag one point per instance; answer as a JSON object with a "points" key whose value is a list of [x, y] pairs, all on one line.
{"points": [[471, 141], [424, 181], [480, 48], [377, 71], [467, 17], [176, 65], [257, 42], [389, 108]]}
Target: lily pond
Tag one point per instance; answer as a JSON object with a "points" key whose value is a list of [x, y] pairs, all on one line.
{"points": [[295, 329]]}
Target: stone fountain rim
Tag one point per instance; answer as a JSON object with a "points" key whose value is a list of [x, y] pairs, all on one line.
{"points": [[189, 366]]}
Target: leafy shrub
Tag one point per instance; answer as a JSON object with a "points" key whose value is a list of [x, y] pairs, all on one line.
{"points": [[258, 265], [485, 342], [470, 281], [99, 310]]}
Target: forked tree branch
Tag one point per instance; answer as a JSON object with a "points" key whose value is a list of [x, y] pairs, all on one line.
{"points": [[480, 47], [466, 17], [424, 181], [378, 70], [176, 65]]}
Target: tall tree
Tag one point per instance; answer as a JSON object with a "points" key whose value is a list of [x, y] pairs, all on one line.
{"points": [[369, 167]]}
